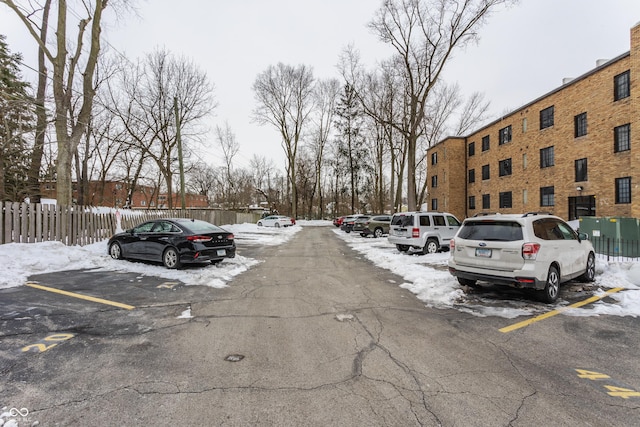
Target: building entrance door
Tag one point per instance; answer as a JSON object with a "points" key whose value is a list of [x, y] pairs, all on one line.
{"points": [[582, 206]]}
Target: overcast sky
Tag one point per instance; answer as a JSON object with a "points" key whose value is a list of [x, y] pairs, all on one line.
{"points": [[524, 51]]}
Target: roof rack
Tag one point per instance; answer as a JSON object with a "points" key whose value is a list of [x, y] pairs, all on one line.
{"points": [[536, 213], [485, 214]]}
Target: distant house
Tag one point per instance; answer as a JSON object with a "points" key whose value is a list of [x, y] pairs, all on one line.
{"points": [[115, 193]]}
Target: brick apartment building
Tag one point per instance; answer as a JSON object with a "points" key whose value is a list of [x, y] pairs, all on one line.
{"points": [[114, 194], [569, 152]]}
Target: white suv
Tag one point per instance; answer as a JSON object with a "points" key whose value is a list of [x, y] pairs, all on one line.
{"points": [[428, 232], [536, 251]]}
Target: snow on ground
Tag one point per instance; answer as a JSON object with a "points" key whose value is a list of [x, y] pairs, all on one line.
{"points": [[424, 275], [428, 278]]}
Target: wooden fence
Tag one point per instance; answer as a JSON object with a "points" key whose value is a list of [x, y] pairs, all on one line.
{"points": [[83, 225]]}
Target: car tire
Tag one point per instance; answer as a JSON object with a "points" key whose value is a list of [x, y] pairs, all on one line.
{"points": [[590, 272], [468, 282], [115, 250], [378, 232], [552, 287], [431, 247], [277, 225], [402, 248], [171, 258], [259, 223]]}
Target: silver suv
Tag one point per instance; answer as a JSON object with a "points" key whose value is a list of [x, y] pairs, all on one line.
{"points": [[536, 251], [428, 232]]}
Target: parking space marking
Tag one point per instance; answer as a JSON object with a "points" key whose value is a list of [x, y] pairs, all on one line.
{"points": [[558, 311], [80, 296]]}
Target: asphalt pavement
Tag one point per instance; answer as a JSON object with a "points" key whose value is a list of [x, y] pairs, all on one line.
{"points": [[313, 335]]}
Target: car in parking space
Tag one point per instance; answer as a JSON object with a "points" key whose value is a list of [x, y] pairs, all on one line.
{"points": [[428, 232], [174, 242], [533, 250], [338, 221], [276, 221], [376, 226], [347, 223]]}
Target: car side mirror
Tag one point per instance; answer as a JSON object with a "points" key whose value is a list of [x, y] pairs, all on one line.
{"points": [[583, 236]]}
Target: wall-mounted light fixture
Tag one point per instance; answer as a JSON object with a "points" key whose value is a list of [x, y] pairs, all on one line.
{"points": [[579, 188]]}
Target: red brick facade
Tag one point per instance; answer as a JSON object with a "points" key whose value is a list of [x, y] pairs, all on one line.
{"points": [[114, 194], [556, 154]]}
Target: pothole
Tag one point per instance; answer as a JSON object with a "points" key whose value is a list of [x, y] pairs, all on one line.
{"points": [[234, 358]]}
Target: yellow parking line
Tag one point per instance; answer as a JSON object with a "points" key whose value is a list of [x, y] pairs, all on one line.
{"points": [[85, 297], [558, 311]]}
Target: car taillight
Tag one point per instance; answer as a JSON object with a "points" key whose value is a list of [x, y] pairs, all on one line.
{"points": [[452, 245], [199, 239], [530, 250], [415, 232]]}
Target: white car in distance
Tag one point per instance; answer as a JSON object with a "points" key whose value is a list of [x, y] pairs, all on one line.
{"points": [[276, 221]]}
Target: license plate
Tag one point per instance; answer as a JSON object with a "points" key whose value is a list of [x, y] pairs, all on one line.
{"points": [[483, 252], [221, 252]]}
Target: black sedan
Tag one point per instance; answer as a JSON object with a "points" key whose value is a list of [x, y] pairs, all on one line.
{"points": [[174, 242]]}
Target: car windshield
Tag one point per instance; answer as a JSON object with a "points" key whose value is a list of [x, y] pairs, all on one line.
{"points": [[504, 231], [402, 220]]}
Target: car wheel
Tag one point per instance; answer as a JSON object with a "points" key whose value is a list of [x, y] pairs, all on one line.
{"points": [[171, 258], [590, 273], [552, 287], [468, 282], [402, 248], [377, 232], [259, 223], [115, 250], [277, 225], [431, 247]]}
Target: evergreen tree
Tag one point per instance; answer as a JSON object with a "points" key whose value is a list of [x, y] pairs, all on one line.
{"points": [[351, 143], [16, 124]]}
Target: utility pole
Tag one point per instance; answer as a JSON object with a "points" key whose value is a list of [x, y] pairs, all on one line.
{"points": [[181, 164]]}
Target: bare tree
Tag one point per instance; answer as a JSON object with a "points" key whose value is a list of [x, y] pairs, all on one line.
{"points": [[326, 94], [226, 139], [144, 99], [66, 66], [284, 95], [424, 34]]}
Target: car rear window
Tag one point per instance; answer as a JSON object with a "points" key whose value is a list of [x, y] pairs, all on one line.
{"points": [[202, 227], [402, 220], [503, 231]]}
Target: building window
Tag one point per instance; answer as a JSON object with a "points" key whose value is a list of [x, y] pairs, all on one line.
{"points": [[547, 158], [623, 190], [143, 203], [505, 167], [580, 124], [472, 202], [547, 197], [524, 125], [472, 149], [505, 135], [524, 161], [434, 204], [434, 181], [486, 172], [505, 200], [546, 118], [472, 175], [621, 86], [485, 143], [622, 138], [486, 201], [581, 170], [434, 158]]}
